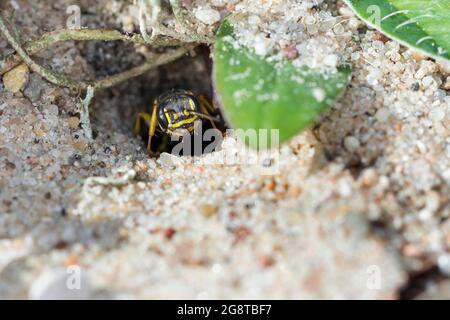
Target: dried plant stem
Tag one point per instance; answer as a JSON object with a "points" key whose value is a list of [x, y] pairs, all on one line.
{"points": [[84, 117], [51, 38], [65, 81]]}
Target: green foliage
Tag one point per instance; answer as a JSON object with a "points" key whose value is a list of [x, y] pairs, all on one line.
{"points": [[256, 93], [420, 24]]}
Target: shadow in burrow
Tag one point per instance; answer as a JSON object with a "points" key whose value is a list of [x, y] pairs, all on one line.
{"points": [[125, 101]]}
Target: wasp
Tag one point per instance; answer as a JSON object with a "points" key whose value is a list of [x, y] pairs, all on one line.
{"points": [[173, 114]]}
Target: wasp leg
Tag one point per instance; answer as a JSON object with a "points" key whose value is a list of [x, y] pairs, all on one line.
{"points": [[207, 103], [152, 127], [207, 108], [142, 116], [164, 144]]}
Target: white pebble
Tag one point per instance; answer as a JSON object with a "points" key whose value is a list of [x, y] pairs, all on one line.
{"points": [[355, 56], [207, 15], [431, 81], [351, 143], [421, 147], [422, 72], [168, 160], [354, 24], [331, 60], [254, 20], [310, 20], [383, 114], [437, 114], [339, 29], [345, 189], [260, 46]]}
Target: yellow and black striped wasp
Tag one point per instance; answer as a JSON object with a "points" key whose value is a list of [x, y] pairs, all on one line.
{"points": [[174, 113]]}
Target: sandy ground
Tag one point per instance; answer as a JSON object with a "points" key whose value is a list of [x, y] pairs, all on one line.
{"points": [[358, 208]]}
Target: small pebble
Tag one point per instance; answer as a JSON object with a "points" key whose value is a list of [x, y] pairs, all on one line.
{"points": [[73, 122], [447, 84], [169, 160], [254, 20], [266, 261], [369, 178], [208, 210], [169, 233], [16, 79], [431, 81], [378, 36], [33, 90], [383, 114], [415, 86], [290, 52], [207, 15], [331, 60], [418, 56], [437, 114], [351, 143]]}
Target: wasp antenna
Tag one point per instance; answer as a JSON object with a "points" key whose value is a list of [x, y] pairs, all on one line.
{"points": [[202, 115]]}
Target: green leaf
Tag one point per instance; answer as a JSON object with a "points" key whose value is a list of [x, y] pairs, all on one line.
{"points": [[420, 24], [256, 93]]}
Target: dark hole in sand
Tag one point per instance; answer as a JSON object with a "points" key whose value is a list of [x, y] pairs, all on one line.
{"points": [[121, 104]]}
